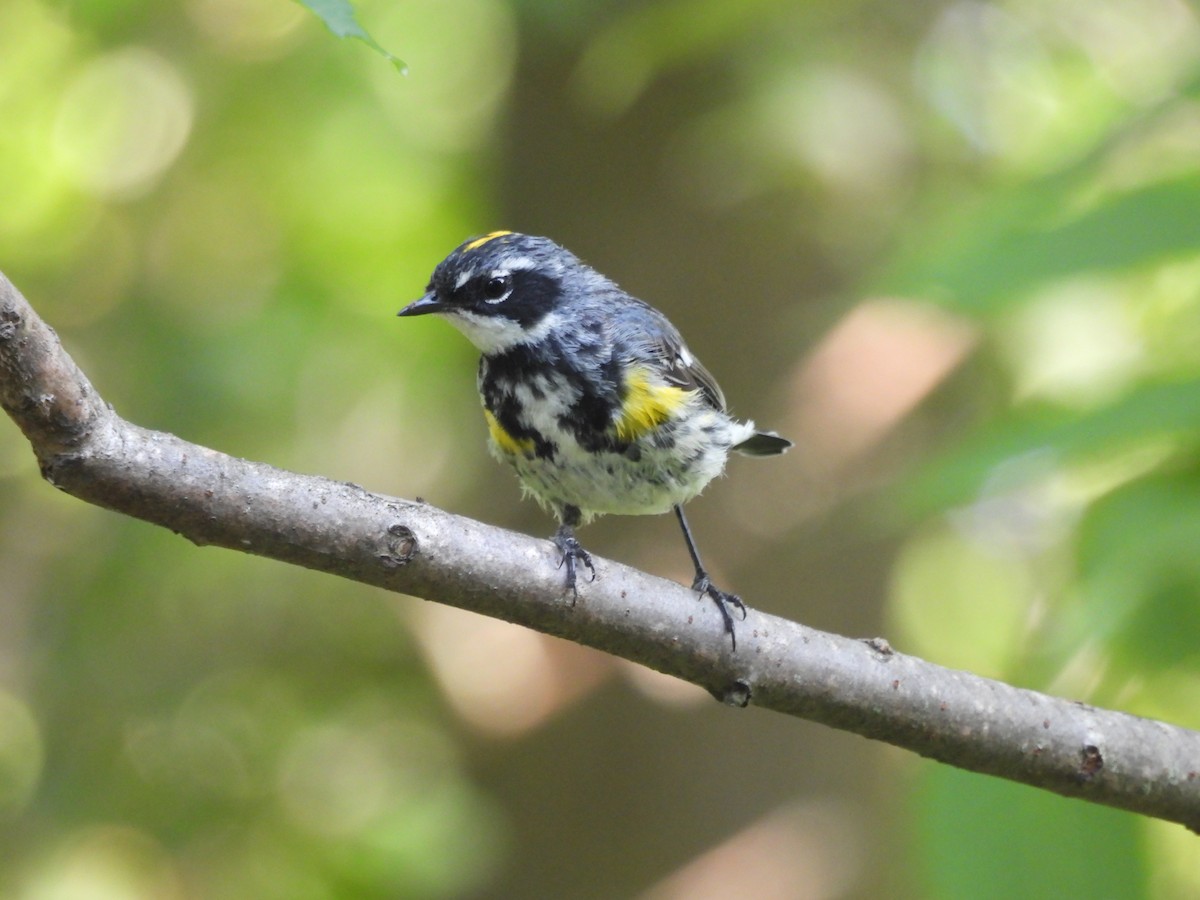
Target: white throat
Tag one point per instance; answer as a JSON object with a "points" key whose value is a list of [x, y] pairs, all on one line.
{"points": [[495, 334]]}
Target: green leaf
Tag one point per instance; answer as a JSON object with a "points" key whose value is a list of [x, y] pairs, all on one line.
{"points": [[338, 16], [1026, 242], [1137, 552], [1148, 413]]}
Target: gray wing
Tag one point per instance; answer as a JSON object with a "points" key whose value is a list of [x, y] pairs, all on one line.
{"points": [[683, 369], [652, 335]]}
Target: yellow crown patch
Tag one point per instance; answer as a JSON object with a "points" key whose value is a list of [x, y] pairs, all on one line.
{"points": [[479, 242]]}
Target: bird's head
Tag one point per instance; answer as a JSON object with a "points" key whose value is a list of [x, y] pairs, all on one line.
{"points": [[500, 290]]}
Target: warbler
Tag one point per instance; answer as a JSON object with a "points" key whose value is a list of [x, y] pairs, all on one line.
{"points": [[589, 393]]}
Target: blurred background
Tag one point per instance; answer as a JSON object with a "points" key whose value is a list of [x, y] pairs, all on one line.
{"points": [[950, 248]]}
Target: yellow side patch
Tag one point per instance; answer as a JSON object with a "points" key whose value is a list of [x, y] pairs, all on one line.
{"points": [[479, 242], [505, 441], [647, 405]]}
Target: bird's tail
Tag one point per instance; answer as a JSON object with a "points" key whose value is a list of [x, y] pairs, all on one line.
{"points": [[763, 443]]}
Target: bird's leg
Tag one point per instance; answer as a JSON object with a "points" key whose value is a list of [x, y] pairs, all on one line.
{"points": [[704, 584], [570, 548]]}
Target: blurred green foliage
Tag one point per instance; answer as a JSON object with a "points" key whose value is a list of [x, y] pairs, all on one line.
{"points": [[987, 838], [220, 209]]}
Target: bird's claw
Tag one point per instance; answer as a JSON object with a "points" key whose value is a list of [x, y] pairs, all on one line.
{"points": [[724, 600], [572, 551]]}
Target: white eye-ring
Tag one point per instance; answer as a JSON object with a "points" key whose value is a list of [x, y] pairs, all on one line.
{"points": [[497, 288]]}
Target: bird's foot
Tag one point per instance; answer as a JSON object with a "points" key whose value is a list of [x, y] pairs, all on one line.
{"points": [[724, 601], [572, 554]]}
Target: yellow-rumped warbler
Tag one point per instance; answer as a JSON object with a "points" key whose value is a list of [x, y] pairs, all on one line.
{"points": [[589, 393]]}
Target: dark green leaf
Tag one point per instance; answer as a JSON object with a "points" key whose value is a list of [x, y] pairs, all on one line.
{"points": [[1029, 243], [1151, 412], [1141, 570]]}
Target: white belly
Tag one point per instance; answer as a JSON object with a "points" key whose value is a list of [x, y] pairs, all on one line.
{"points": [[665, 469]]}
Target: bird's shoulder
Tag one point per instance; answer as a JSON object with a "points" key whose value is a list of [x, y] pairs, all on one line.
{"points": [[650, 337]]}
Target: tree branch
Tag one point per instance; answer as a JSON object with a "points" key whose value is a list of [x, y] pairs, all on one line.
{"points": [[88, 451]]}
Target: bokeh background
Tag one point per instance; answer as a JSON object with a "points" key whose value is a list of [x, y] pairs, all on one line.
{"points": [[951, 248]]}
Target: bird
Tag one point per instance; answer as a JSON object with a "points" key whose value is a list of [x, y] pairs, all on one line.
{"points": [[589, 394]]}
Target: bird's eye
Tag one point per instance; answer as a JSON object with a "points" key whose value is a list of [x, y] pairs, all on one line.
{"points": [[497, 287]]}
